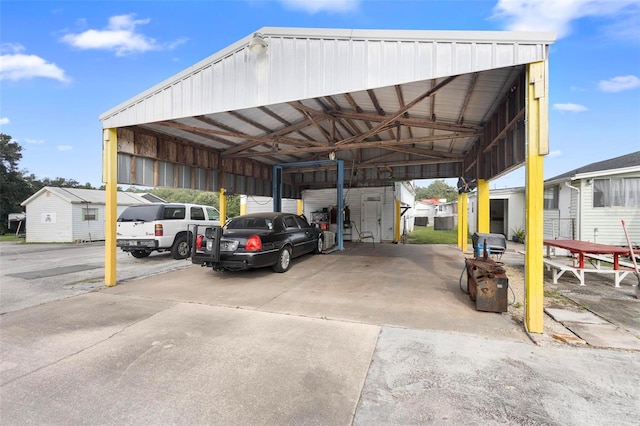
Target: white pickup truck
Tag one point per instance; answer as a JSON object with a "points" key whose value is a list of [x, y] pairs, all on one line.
{"points": [[145, 228]]}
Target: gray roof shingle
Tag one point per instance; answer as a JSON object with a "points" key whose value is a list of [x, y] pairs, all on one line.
{"points": [[624, 161]]}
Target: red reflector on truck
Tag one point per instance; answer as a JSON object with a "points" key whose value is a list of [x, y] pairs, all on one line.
{"points": [[158, 230]]}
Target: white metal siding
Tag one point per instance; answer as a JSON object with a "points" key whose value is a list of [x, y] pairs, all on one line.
{"points": [[69, 226], [39, 231], [317, 199], [515, 214], [407, 197], [256, 204], [88, 230], [551, 224], [307, 63], [608, 219]]}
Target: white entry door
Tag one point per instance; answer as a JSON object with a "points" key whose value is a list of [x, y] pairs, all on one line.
{"points": [[371, 218]]}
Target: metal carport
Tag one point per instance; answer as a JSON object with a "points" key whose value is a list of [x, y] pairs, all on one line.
{"points": [[392, 105]]}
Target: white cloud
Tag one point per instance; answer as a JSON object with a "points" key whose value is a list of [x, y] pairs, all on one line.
{"points": [[64, 147], [34, 141], [3, 121], [555, 15], [18, 66], [315, 6], [556, 153], [570, 107], [619, 83], [121, 36]]}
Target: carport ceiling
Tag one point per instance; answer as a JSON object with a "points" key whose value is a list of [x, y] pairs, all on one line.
{"points": [[394, 105]]}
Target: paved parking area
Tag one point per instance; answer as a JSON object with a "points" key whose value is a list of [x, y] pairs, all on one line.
{"points": [[32, 274], [367, 336]]}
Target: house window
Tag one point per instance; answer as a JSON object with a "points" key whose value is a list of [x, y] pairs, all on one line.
{"points": [[616, 192], [89, 214], [551, 198]]}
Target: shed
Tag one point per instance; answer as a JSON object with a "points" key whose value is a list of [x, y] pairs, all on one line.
{"points": [[590, 202], [506, 211], [64, 215]]}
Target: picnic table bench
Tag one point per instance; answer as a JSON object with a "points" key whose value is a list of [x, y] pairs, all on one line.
{"points": [[586, 249]]}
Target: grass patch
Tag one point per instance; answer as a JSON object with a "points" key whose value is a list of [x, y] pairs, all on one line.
{"points": [[11, 237], [428, 235]]}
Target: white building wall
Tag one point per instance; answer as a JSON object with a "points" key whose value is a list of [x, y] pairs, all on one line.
{"points": [[407, 197], [608, 219], [257, 204], [49, 220], [515, 214], [88, 230], [317, 199]]}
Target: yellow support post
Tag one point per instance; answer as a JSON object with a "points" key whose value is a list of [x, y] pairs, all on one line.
{"points": [[398, 218], [483, 207], [300, 207], [223, 207], [537, 146], [243, 205], [110, 178], [460, 222], [465, 222]]}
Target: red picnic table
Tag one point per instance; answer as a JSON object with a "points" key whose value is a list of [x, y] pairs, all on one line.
{"points": [[586, 248]]}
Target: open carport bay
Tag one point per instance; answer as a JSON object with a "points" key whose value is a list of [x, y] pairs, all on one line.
{"points": [[368, 336], [406, 286]]}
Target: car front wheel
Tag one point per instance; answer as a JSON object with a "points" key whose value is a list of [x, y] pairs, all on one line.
{"points": [[319, 246], [284, 260]]}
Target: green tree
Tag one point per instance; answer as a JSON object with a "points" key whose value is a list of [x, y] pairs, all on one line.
{"points": [[208, 199], [13, 187], [233, 205], [437, 189]]}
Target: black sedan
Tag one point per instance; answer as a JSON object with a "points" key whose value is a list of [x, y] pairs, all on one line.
{"points": [[257, 240]]}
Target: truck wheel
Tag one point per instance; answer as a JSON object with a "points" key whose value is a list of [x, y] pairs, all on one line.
{"points": [[284, 260], [139, 254], [180, 248]]}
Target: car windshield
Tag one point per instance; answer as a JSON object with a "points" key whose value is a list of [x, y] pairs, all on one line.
{"points": [[140, 213], [250, 223]]}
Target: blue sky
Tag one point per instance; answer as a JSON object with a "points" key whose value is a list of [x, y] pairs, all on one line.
{"points": [[62, 64]]}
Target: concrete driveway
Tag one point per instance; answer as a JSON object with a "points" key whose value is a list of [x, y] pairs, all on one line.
{"points": [[367, 336]]}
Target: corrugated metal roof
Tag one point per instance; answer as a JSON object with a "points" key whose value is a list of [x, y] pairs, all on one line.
{"points": [[91, 196], [305, 63]]}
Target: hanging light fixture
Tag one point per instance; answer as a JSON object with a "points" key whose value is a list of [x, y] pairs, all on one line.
{"points": [[258, 44]]}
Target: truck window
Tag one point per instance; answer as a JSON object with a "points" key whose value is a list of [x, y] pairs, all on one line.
{"points": [[213, 214], [197, 213], [174, 213]]}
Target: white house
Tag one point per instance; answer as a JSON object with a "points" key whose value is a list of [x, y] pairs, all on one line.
{"points": [[590, 202], [424, 213], [64, 215], [586, 204]]}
